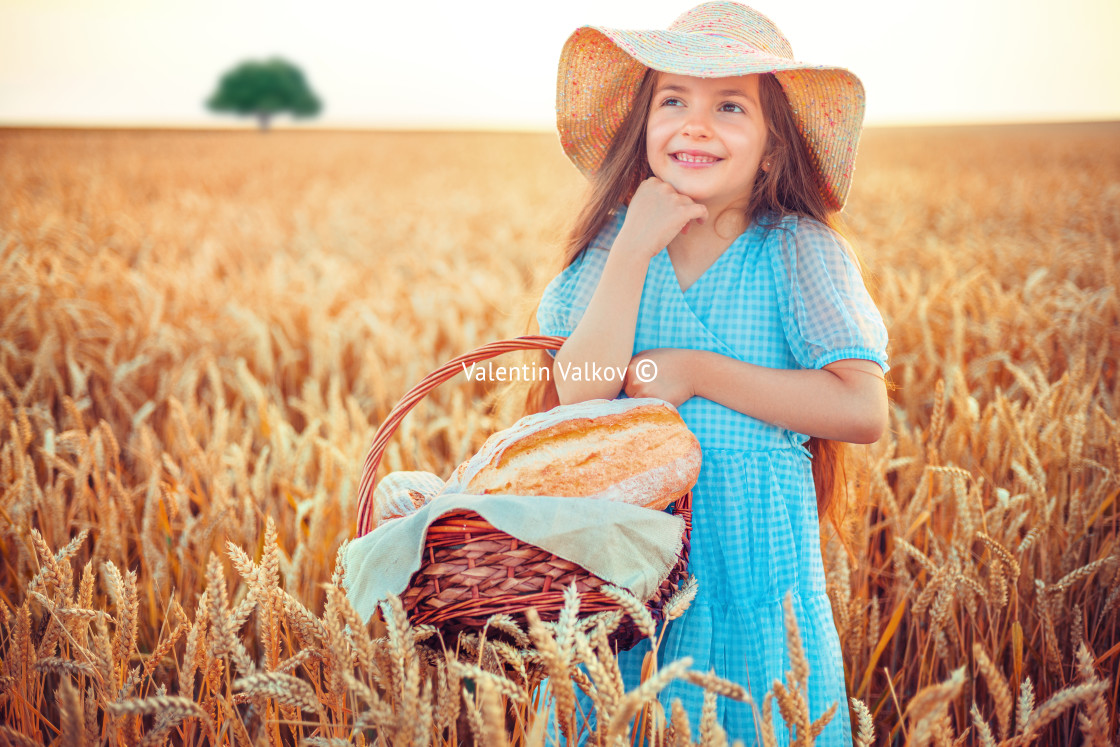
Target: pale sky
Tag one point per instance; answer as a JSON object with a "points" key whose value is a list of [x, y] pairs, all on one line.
{"points": [[492, 63]]}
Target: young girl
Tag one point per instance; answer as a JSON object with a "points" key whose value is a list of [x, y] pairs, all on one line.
{"points": [[705, 263]]}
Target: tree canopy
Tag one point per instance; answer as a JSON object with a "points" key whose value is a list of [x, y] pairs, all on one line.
{"points": [[263, 89]]}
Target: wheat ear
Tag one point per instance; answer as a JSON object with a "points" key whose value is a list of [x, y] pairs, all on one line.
{"points": [[865, 733], [556, 665], [633, 701], [823, 720], [173, 707], [719, 685], [1025, 705], [769, 738], [682, 598], [501, 685], [982, 728], [1094, 721], [283, 688], [163, 648], [71, 712], [1060, 702], [681, 734], [632, 607], [929, 705], [998, 687]]}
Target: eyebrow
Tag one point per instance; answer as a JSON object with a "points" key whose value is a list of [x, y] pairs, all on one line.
{"points": [[723, 92]]}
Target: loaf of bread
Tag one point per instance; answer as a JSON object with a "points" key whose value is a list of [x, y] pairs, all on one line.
{"points": [[636, 451], [402, 493]]}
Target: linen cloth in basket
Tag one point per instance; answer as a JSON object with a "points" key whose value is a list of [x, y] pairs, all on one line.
{"points": [[785, 295], [628, 546]]}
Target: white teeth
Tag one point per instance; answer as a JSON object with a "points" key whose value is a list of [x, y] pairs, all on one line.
{"points": [[688, 158]]}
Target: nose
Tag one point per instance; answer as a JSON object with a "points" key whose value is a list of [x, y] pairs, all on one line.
{"points": [[697, 125]]}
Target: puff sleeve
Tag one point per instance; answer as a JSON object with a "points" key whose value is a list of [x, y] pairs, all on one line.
{"points": [[566, 298], [826, 311]]}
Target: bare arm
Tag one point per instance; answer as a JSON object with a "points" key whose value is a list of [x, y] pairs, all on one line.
{"points": [[605, 334], [844, 401]]}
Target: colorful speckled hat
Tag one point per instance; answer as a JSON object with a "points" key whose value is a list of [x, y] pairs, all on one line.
{"points": [[601, 70]]}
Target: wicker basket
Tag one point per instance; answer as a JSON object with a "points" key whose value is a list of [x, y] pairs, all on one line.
{"points": [[470, 570]]}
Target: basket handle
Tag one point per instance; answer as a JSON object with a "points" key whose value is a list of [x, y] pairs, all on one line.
{"points": [[417, 393]]}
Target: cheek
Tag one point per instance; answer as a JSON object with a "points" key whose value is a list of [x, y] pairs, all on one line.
{"points": [[660, 126], [655, 143], [651, 134]]}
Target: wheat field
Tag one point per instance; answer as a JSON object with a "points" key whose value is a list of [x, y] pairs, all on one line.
{"points": [[201, 331]]}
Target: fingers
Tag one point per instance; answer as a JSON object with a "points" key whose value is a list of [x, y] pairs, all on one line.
{"points": [[663, 192], [653, 185], [630, 384], [636, 382], [698, 221], [658, 212]]}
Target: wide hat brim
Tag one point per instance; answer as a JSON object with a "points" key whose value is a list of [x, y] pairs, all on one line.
{"points": [[601, 69]]}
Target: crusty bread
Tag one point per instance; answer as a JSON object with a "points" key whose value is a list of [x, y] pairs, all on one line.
{"points": [[402, 493], [636, 451]]}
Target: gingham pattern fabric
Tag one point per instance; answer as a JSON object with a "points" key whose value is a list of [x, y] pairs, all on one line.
{"points": [[783, 296]]}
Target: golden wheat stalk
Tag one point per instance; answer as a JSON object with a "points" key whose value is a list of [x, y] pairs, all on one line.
{"points": [[558, 669], [71, 713], [1066, 698], [165, 437], [634, 700], [929, 705], [865, 725], [998, 687], [171, 707], [1025, 706], [711, 733], [1094, 721], [682, 598], [283, 688], [637, 611], [718, 685]]}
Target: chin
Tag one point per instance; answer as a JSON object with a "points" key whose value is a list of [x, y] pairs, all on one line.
{"points": [[696, 195]]}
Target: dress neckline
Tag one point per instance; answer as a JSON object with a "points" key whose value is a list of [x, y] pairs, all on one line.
{"points": [[709, 270]]}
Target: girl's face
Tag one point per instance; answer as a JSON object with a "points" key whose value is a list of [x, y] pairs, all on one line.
{"points": [[706, 137]]}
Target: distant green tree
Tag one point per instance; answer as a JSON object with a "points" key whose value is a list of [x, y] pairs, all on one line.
{"points": [[263, 89]]}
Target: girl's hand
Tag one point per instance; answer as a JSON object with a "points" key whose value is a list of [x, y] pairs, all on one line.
{"points": [[657, 213], [664, 373]]}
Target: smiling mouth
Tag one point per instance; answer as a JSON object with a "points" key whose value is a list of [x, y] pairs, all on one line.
{"points": [[694, 158]]}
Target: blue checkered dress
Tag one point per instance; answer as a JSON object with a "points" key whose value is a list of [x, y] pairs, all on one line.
{"points": [[785, 296]]}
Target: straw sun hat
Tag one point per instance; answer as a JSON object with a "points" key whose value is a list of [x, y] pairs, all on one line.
{"points": [[601, 69]]}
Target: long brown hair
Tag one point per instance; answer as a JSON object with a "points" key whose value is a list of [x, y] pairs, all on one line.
{"points": [[790, 185]]}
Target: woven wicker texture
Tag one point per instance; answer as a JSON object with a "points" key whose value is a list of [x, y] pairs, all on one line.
{"points": [[471, 570]]}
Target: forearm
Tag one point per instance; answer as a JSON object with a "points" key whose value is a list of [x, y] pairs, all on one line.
{"points": [[605, 334], [845, 401]]}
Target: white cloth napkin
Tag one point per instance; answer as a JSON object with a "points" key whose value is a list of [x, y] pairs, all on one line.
{"points": [[628, 546]]}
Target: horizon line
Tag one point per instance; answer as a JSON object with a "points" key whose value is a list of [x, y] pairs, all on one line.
{"points": [[290, 126]]}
